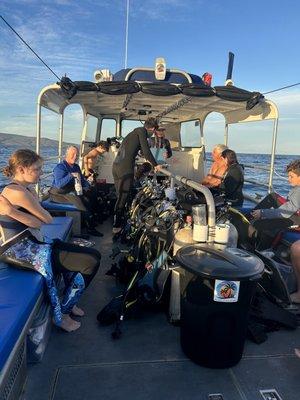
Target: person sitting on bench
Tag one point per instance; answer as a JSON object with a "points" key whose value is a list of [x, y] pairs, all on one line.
{"points": [[233, 180], [20, 209], [217, 170], [275, 213], [70, 186]]}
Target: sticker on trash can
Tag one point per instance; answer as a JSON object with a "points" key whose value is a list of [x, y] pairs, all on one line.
{"points": [[226, 291]]}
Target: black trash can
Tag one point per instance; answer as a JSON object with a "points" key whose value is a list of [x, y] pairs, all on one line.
{"points": [[216, 289]]}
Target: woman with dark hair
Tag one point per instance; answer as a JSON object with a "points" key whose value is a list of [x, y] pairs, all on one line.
{"points": [[233, 180], [20, 209]]}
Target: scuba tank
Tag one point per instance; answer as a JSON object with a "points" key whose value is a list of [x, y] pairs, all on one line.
{"points": [[184, 235]]}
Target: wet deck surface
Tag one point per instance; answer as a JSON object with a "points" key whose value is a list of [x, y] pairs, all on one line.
{"points": [[147, 362]]}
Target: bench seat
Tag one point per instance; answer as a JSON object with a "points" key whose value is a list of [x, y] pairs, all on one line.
{"points": [[67, 209], [53, 206], [20, 290], [60, 228]]}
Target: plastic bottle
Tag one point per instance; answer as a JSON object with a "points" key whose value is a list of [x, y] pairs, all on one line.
{"points": [[78, 187]]}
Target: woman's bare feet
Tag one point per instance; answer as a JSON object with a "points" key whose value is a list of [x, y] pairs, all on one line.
{"points": [[68, 324], [297, 352], [295, 297], [77, 311]]}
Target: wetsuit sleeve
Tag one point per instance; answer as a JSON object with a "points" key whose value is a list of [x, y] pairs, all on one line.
{"points": [[61, 177], [231, 182], [145, 147], [287, 209], [168, 148]]}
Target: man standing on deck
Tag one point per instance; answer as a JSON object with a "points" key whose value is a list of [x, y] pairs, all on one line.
{"points": [[123, 166]]}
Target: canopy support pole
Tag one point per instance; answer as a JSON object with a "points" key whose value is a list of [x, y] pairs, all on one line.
{"points": [[61, 135], [226, 135], [274, 140], [118, 131], [38, 136]]}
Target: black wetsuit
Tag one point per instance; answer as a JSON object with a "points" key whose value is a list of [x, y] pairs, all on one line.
{"points": [[123, 166], [232, 185]]}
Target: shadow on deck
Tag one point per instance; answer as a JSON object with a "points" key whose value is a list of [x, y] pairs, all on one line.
{"points": [[148, 363]]}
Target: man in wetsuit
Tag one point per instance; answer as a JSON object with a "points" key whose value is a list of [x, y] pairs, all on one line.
{"points": [[123, 166]]}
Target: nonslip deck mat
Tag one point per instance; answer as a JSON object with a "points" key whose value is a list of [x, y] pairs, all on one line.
{"points": [[175, 380], [279, 373]]}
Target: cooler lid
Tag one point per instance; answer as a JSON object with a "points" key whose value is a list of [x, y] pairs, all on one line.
{"points": [[209, 262]]}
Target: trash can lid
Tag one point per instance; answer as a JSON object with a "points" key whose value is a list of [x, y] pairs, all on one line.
{"points": [[210, 262]]}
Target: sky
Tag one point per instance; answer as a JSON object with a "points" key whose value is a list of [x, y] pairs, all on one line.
{"points": [[76, 37]]}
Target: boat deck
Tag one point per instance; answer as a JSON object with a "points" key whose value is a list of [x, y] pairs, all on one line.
{"points": [[147, 362]]}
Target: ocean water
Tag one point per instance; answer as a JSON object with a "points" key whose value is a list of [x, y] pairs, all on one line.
{"points": [[261, 160]]}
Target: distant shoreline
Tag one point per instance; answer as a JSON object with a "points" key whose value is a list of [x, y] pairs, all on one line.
{"points": [[20, 141]]}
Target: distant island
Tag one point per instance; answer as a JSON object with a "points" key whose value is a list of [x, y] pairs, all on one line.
{"points": [[27, 142]]}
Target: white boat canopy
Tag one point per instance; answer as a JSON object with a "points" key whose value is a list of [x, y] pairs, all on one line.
{"points": [[168, 108]]}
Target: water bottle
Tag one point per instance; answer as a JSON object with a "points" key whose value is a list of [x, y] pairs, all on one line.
{"points": [[78, 187]]}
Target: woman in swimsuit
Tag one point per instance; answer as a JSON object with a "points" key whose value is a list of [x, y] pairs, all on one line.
{"points": [[20, 209]]}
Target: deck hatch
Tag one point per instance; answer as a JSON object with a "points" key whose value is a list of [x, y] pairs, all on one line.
{"points": [[215, 396], [270, 394]]}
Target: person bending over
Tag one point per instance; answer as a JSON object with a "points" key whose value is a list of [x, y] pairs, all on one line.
{"points": [[275, 213], [233, 180], [216, 173], [70, 186], [20, 209], [123, 166]]}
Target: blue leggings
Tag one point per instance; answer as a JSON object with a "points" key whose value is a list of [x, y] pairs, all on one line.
{"points": [[77, 265]]}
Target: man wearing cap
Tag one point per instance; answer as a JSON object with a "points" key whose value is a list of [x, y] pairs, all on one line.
{"points": [[160, 142], [123, 166]]}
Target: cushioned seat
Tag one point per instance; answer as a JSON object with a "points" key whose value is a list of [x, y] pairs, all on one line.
{"points": [[58, 229], [52, 206], [291, 236], [20, 290]]}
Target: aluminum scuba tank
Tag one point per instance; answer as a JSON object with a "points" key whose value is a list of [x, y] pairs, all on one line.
{"points": [[184, 235]]}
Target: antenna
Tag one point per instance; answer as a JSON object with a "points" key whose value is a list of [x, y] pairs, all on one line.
{"points": [[229, 81], [126, 34], [30, 48]]}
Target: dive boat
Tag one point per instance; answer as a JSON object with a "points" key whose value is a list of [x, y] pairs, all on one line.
{"points": [[148, 361]]}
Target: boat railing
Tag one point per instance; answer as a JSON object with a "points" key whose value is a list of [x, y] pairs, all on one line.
{"points": [[258, 183], [44, 183]]}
